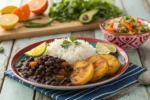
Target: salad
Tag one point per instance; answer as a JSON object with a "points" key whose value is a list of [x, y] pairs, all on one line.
{"points": [[127, 25]]}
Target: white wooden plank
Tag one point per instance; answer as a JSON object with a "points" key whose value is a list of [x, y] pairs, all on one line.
{"points": [[4, 57], [136, 8]]}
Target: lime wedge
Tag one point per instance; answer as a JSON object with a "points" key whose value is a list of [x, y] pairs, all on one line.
{"points": [[102, 49], [37, 51], [104, 46], [110, 47]]}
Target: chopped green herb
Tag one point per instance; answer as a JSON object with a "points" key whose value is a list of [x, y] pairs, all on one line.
{"points": [[77, 43], [1, 50], [67, 43], [72, 38], [68, 10], [65, 46]]}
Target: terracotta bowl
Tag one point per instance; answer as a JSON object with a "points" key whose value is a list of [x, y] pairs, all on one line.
{"points": [[125, 41]]}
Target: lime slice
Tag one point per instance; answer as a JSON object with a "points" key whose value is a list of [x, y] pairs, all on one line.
{"points": [[102, 49], [110, 47], [37, 51]]}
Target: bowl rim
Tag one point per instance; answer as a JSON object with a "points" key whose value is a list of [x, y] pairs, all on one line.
{"points": [[19, 53], [123, 34]]}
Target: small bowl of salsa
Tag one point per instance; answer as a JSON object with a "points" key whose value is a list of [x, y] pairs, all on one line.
{"points": [[127, 32]]}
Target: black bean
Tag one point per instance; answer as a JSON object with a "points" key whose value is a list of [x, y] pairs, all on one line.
{"points": [[40, 62], [33, 68], [48, 63], [67, 79], [51, 59], [24, 72], [48, 82], [25, 75], [27, 64], [48, 74], [30, 72], [58, 61], [56, 58], [57, 65], [41, 58], [34, 77], [62, 82], [54, 83], [62, 67], [45, 58], [47, 78], [43, 73], [38, 76], [69, 66], [49, 70], [47, 55], [41, 67], [25, 68], [37, 72], [18, 66], [62, 60], [30, 59], [38, 80], [55, 71], [42, 81], [19, 69], [71, 69], [52, 67]]}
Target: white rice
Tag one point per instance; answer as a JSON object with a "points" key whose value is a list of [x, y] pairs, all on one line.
{"points": [[73, 53]]}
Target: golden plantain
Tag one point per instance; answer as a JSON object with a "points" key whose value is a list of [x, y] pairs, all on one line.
{"points": [[83, 72], [113, 63], [100, 67]]}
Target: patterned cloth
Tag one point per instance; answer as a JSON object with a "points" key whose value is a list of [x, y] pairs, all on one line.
{"points": [[129, 77]]}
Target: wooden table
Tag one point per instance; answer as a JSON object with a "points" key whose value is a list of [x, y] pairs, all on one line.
{"points": [[12, 90]]}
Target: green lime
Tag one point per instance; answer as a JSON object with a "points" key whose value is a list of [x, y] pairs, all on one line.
{"points": [[102, 49], [110, 47], [37, 51]]}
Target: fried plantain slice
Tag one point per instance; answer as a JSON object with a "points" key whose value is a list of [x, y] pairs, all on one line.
{"points": [[113, 63], [83, 72], [100, 67]]}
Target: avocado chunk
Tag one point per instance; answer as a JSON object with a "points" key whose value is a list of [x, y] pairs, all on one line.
{"points": [[88, 16]]}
